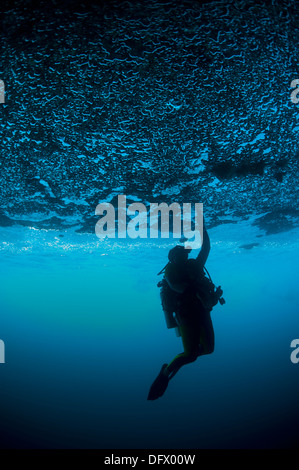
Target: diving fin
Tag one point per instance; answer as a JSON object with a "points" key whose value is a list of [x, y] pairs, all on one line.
{"points": [[159, 385]]}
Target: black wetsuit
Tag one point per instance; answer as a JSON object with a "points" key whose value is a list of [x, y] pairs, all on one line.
{"points": [[193, 315]]}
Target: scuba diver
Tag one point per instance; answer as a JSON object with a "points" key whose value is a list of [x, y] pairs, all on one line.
{"points": [[188, 297]]}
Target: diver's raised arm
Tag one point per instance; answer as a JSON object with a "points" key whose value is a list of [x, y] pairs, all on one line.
{"points": [[205, 248]]}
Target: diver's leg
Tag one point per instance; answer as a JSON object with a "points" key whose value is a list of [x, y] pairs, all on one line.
{"points": [[179, 361], [198, 339], [207, 336], [190, 334]]}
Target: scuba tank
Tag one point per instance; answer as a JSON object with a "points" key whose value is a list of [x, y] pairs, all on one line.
{"points": [[169, 301]]}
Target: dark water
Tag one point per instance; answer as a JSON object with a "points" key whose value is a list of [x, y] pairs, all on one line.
{"points": [[85, 337]]}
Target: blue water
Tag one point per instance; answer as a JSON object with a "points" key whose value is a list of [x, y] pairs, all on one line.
{"points": [[85, 337]]}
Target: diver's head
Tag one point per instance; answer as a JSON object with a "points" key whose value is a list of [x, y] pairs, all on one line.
{"points": [[178, 254]]}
